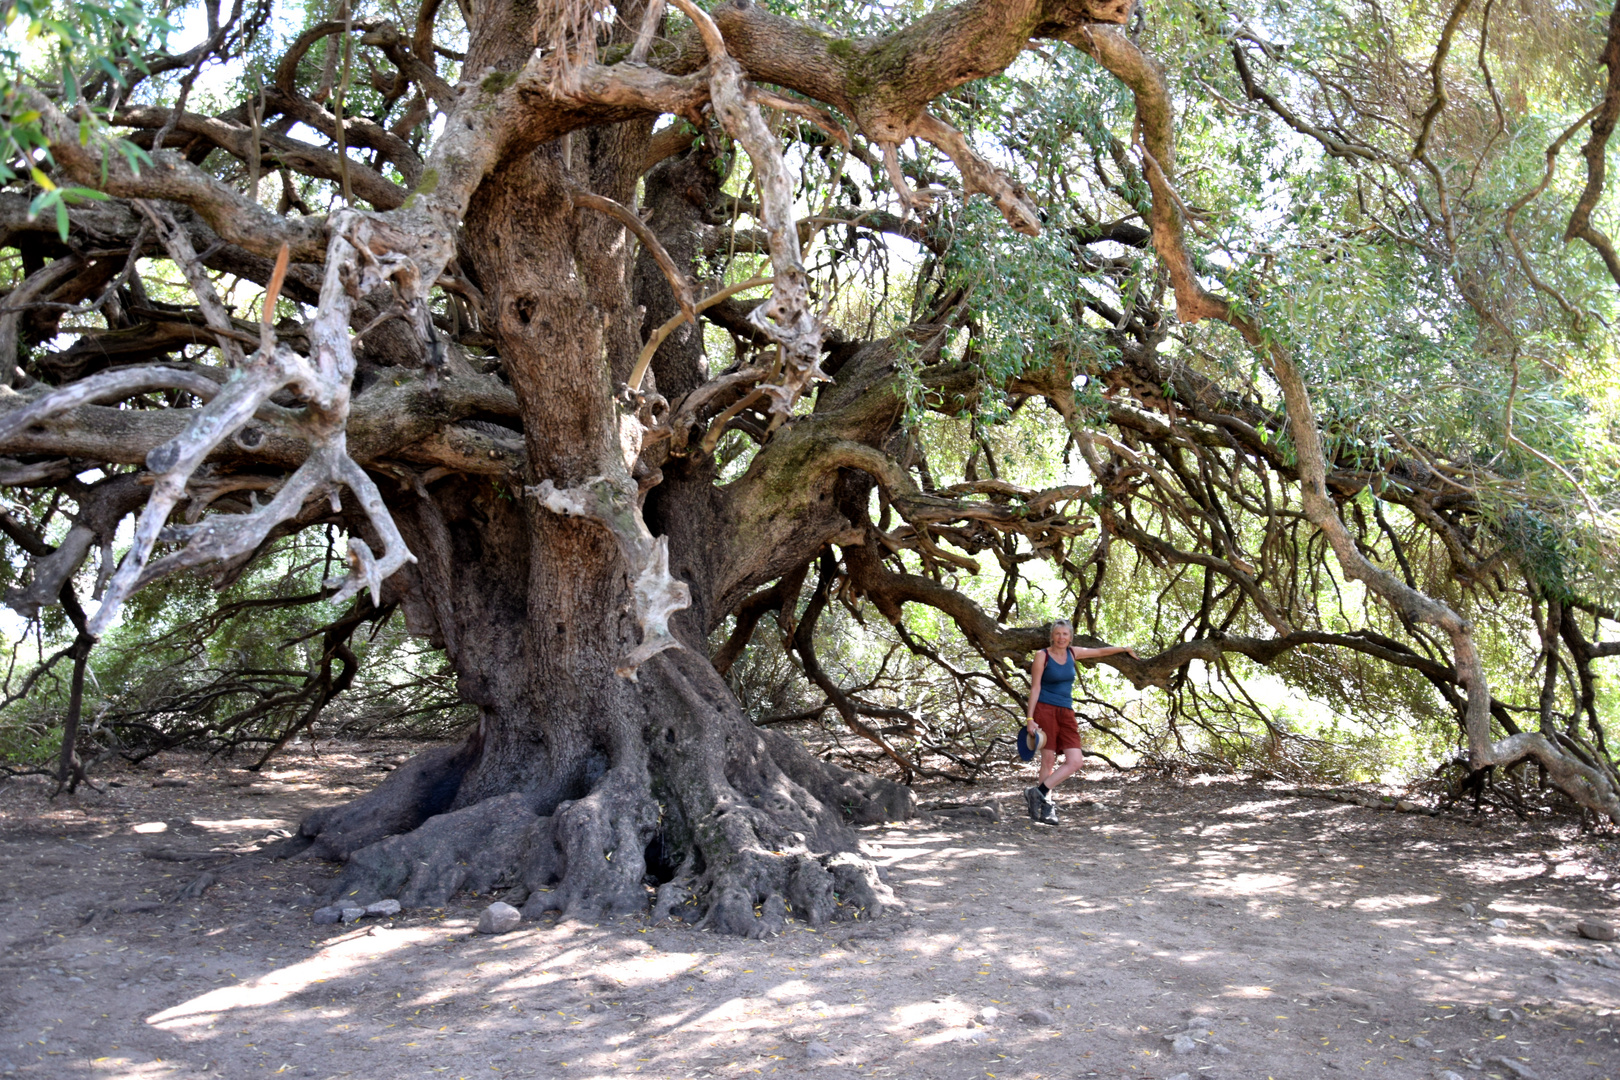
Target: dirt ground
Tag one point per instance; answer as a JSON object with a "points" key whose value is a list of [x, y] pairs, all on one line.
{"points": [[1282, 937]]}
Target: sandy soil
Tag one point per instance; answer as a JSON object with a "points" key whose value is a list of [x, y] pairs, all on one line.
{"points": [[1284, 937]]}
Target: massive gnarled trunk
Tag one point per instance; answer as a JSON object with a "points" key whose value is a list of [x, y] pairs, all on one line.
{"points": [[583, 789]]}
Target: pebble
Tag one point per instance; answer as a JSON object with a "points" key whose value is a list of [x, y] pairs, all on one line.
{"points": [[1596, 930], [988, 1014], [819, 1051], [350, 914], [1038, 1017], [973, 1035], [1420, 1043], [1183, 1044], [1182, 1076], [1467, 909], [819, 1005], [1219, 1049], [1517, 1068], [383, 907], [326, 915], [499, 918], [1498, 924], [1493, 1013], [1447, 1074]]}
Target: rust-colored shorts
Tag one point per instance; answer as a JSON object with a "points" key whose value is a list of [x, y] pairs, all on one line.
{"points": [[1062, 733]]}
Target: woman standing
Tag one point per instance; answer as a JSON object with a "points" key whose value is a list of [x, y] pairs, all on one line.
{"points": [[1051, 710]]}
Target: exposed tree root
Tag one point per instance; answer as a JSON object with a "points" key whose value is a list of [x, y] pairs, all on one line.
{"points": [[422, 787], [703, 818]]}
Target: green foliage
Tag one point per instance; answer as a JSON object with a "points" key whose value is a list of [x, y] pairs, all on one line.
{"points": [[75, 47]]}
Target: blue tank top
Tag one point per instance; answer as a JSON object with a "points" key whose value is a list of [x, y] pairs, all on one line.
{"points": [[1057, 682]]}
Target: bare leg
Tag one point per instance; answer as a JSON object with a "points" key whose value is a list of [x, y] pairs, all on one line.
{"points": [[1073, 761]]}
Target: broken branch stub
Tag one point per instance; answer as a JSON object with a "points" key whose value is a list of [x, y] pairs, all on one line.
{"points": [[658, 595]]}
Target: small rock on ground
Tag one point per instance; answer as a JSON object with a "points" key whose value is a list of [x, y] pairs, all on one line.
{"points": [[1517, 1068], [350, 914], [1498, 924], [1038, 1017], [383, 907], [1596, 929], [1446, 1074], [1183, 1044], [499, 918], [326, 915], [819, 1051]]}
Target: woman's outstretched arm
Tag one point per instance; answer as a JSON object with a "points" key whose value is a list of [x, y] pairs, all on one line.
{"points": [[1097, 654]]}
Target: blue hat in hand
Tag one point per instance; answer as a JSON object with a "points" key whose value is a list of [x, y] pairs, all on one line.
{"points": [[1030, 745]]}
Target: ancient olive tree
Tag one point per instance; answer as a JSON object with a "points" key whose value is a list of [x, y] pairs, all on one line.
{"points": [[496, 360]]}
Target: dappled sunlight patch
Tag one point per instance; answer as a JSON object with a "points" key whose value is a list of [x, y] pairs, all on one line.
{"points": [[1496, 871], [642, 968], [231, 824], [946, 1012], [1394, 901], [1256, 808], [1579, 870], [124, 1068], [786, 993], [954, 1035], [335, 961], [1250, 991], [1247, 884]]}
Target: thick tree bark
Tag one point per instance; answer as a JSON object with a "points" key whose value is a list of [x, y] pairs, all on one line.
{"points": [[586, 791]]}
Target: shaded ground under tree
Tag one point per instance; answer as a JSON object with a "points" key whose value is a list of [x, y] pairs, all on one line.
{"points": [[1297, 935]]}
